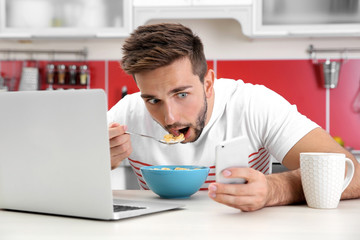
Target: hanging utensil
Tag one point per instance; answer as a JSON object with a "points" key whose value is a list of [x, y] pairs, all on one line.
{"points": [[29, 77], [356, 103]]}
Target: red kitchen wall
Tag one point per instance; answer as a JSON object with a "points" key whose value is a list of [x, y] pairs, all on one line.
{"points": [[344, 121], [296, 80], [293, 79], [118, 79]]}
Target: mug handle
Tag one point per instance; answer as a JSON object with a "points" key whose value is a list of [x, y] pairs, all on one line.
{"points": [[349, 174]]}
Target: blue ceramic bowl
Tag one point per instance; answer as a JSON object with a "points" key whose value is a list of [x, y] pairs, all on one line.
{"points": [[174, 183]]}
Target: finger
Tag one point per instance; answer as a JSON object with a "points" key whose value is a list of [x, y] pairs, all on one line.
{"points": [[119, 153], [113, 125], [124, 148], [248, 174], [117, 160], [116, 129], [119, 140], [240, 202], [231, 189]]}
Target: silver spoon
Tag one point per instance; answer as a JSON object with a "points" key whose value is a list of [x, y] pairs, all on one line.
{"points": [[160, 141]]}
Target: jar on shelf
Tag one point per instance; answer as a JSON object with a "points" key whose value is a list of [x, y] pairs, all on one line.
{"points": [[72, 74], [50, 73], [84, 75], [61, 73]]}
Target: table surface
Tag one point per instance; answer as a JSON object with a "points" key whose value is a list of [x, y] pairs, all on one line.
{"points": [[201, 218]]}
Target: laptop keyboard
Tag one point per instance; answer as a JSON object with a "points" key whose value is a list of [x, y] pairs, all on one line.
{"points": [[121, 208]]}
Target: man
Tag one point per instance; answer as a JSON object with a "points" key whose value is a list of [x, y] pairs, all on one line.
{"points": [[178, 94]]}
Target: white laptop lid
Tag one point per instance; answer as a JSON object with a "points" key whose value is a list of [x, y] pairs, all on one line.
{"points": [[55, 156], [40, 163]]}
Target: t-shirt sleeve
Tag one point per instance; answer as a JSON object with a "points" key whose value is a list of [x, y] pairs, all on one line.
{"points": [[279, 124]]}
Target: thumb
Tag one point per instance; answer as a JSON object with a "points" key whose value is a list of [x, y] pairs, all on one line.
{"points": [[113, 125]]}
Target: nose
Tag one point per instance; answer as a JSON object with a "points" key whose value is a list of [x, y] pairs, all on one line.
{"points": [[169, 114]]}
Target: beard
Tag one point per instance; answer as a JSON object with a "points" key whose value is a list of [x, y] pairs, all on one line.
{"points": [[200, 121]]}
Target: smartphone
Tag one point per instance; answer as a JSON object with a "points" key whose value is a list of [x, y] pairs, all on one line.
{"points": [[232, 153]]}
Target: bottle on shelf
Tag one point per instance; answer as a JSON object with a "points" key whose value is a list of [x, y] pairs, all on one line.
{"points": [[50, 73], [72, 74], [84, 75], [61, 74]]}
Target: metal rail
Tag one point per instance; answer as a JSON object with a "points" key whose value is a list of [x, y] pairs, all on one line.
{"points": [[342, 51], [82, 52], [313, 50]]}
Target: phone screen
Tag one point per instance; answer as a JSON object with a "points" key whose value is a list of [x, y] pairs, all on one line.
{"points": [[232, 153]]}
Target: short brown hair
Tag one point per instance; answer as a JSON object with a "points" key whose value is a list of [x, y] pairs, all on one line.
{"points": [[152, 46]]}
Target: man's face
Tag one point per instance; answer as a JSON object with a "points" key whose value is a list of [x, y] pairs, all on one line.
{"points": [[176, 98]]}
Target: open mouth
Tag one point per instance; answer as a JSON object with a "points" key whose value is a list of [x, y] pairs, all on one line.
{"points": [[177, 132], [184, 130]]}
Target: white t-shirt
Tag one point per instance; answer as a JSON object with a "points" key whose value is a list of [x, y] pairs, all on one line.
{"points": [[272, 125]]}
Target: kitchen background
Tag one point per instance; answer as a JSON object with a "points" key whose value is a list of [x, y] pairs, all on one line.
{"points": [[242, 41]]}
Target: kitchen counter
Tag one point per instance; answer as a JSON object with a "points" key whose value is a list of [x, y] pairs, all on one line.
{"points": [[202, 218]]}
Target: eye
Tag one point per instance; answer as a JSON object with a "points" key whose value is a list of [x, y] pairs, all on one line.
{"points": [[153, 101], [182, 95]]}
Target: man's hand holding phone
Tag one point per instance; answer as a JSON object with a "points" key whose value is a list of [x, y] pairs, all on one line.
{"points": [[251, 196], [237, 185], [230, 154]]}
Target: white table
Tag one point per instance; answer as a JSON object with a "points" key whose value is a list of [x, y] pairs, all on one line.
{"points": [[202, 218]]}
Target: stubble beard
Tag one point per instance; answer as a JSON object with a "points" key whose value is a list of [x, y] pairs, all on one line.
{"points": [[200, 122]]}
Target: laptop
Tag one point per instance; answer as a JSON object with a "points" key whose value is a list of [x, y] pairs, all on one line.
{"points": [[55, 156]]}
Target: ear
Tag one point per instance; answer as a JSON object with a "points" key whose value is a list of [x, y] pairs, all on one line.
{"points": [[209, 83]]}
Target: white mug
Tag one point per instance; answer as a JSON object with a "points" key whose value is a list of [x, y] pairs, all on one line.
{"points": [[323, 178]]}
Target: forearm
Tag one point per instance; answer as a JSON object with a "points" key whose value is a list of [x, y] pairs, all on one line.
{"points": [[284, 188]]}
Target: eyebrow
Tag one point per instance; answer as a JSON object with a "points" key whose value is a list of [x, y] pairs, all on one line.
{"points": [[179, 89], [175, 90]]}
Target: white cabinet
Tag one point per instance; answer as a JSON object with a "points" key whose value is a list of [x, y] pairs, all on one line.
{"points": [[65, 18], [263, 18], [306, 18], [160, 3], [163, 3], [118, 18], [241, 10]]}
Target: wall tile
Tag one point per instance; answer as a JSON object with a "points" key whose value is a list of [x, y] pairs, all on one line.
{"points": [[295, 80], [97, 74], [344, 122], [117, 80]]}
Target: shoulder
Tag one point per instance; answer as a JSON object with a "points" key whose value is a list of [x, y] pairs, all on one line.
{"points": [[231, 86], [229, 90], [129, 101], [131, 104]]}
